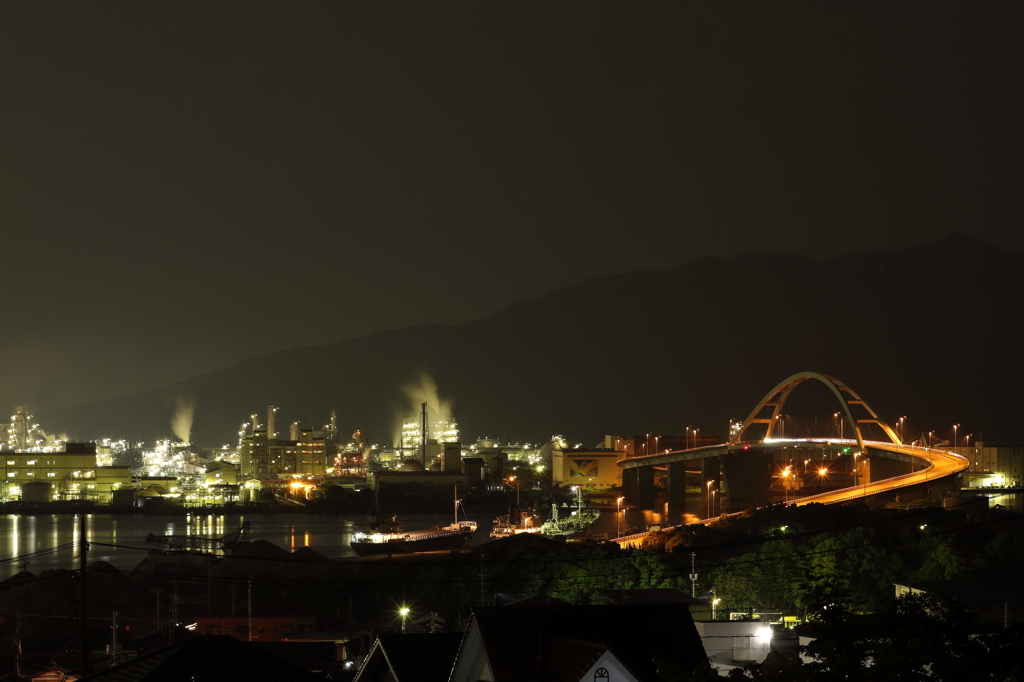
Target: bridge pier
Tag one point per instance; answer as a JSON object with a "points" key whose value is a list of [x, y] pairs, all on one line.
{"points": [[748, 475], [677, 483], [638, 487]]}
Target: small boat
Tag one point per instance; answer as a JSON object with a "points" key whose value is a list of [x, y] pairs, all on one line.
{"points": [[515, 522], [576, 522], [387, 537]]}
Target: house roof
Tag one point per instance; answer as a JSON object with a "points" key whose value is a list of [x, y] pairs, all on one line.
{"points": [[416, 657], [212, 657], [529, 642]]}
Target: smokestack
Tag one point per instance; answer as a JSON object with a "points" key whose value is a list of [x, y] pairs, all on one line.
{"points": [[271, 411], [423, 416]]}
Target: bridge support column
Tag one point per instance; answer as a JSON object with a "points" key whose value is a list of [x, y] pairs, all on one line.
{"points": [[748, 479], [677, 483], [644, 487]]}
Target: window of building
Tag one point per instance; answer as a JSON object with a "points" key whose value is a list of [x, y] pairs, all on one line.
{"points": [[12, 474], [31, 473], [11, 462], [51, 475], [31, 462]]}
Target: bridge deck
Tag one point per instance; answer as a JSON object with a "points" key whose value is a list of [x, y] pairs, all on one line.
{"points": [[941, 463]]}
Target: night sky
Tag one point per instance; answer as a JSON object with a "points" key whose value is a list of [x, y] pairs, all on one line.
{"points": [[186, 185]]}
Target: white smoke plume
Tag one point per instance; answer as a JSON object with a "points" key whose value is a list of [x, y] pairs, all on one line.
{"points": [[423, 390], [181, 422]]}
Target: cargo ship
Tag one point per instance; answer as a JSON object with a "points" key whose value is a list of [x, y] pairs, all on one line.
{"points": [[387, 537]]}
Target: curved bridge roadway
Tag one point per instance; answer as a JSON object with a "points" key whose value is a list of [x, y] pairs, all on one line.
{"points": [[941, 463]]}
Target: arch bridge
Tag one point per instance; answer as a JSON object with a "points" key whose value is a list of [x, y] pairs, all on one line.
{"points": [[751, 470]]}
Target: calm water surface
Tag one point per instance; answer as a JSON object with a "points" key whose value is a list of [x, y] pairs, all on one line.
{"points": [[121, 540]]}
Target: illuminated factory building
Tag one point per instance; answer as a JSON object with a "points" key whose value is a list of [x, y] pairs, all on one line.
{"points": [[264, 456], [71, 474], [439, 431]]}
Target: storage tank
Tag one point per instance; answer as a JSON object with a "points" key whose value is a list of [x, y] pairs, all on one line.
{"points": [[35, 491]]}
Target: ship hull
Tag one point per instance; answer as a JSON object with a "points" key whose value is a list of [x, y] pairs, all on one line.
{"points": [[415, 542]]}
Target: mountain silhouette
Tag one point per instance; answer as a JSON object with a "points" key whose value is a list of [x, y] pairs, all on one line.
{"points": [[927, 332]]}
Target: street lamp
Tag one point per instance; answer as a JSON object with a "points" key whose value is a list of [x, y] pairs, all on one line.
{"points": [[709, 498], [618, 517], [901, 420], [822, 473], [954, 434], [713, 493], [842, 425], [404, 611], [806, 462]]}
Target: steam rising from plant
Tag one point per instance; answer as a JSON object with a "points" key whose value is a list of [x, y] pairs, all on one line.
{"points": [[423, 390], [181, 422]]}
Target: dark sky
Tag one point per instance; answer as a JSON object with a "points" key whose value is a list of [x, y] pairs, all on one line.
{"points": [[185, 185]]}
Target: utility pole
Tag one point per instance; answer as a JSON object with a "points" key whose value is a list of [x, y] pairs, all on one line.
{"points": [[250, 608], [157, 591], [83, 546], [174, 612], [234, 594], [114, 651], [693, 575], [17, 648], [482, 602]]}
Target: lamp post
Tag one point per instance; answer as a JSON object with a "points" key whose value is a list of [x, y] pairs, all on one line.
{"points": [[709, 498], [900, 423], [618, 517], [404, 611], [822, 473], [806, 462], [713, 493], [695, 438], [954, 435]]}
